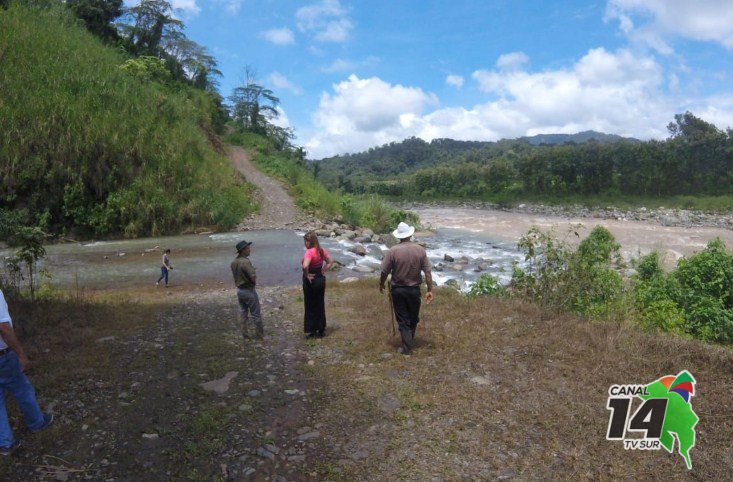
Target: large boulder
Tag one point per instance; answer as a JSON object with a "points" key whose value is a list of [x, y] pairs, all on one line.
{"points": [[348, 234], [362, 239], [324, 232], [367, 232], [389, 240], [358, 249], [453, 283], [375, 251], [448, 257]]}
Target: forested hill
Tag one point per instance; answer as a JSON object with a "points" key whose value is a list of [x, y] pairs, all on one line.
{"points": [[696, 160], [579, 138], [413, 154], [106, 134]]}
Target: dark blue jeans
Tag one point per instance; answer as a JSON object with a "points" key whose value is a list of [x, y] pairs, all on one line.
{"points": [[163, 275], [249, 303], [13, 381]]}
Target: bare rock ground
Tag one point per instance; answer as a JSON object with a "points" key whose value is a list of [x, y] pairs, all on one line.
{"points": [[155, 415], [277, 209]]}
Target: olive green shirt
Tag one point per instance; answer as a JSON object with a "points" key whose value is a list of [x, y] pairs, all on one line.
{"points": [[244, 273]]}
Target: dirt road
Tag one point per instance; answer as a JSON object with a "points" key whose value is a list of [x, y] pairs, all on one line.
{"points": [[277, 209]]}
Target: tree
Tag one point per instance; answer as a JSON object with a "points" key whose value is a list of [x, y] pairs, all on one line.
{"points": [[254, 106], [150, 23], [193, 61], [98, 15]]}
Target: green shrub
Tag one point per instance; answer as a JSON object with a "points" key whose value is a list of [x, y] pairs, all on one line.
{"points": [[487, 285], [583, 281], [649, 266], [696, 298]]}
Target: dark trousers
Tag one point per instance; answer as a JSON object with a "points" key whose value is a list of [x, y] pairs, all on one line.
{"points": [[314, 293], [406, 302], [163, 275]]}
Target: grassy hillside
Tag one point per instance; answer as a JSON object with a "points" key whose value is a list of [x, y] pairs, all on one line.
{"points": [[86, 148]]}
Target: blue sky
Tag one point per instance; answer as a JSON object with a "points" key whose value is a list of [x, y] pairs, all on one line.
{"points": [[357, 74]]}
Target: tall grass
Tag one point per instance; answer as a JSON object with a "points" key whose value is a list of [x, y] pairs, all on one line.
{"points": [[85, 147]]}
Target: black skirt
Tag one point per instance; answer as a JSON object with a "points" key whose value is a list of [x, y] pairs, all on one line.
{"points": [[314, 293]]}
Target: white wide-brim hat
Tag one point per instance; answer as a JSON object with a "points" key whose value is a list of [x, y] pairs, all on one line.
{"points": [[403, 231]]}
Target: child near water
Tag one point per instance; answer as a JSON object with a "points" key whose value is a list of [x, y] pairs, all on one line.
{"points": [[166, 266]]}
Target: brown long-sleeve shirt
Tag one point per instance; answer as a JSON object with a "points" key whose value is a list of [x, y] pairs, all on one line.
{"points": [[244, 273], [405, 261]]}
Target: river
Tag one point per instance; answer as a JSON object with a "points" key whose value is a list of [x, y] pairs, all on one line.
{"points": [[485, 238]]}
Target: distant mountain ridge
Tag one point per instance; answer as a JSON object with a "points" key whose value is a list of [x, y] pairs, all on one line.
{"points": [[577, 138]]}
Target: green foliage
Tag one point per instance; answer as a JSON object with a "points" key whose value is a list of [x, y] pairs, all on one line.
{"points": [[649, 266], [98, 15], [487, 285], [583, 281], [146, 68], [29, 243], [254, 107], [696, 298], [85, 147]]}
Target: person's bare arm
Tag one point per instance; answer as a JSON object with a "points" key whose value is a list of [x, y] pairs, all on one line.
{"points": [[429, 283], [329, 264], [8, 334], [382, 280]]}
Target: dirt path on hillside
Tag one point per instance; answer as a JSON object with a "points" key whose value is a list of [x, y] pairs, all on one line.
{"points": [[277, 209]]}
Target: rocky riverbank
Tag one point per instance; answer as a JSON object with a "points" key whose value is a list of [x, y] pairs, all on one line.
{"points": [[661, 216]]}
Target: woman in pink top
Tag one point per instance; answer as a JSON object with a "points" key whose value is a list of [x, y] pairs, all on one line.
{"points": [[316, 261]]}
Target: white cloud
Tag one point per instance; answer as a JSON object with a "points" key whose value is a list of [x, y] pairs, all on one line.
{"points": [[612, 92], [187, 6], [282, 118], [512, 61], [279, 36], [364, 112], [326, 21], [339, 65], [652, 21], [231, 6], [454, 80], [345, 65], [279, 81]]}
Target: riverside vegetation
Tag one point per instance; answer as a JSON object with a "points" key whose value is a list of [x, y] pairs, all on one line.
{"points": [[695, 299]]}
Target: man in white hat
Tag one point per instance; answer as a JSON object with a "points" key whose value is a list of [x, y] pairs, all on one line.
{"points": [[405, 262]]}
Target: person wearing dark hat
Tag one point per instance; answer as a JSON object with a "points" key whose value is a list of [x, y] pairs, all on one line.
{"points": [[245, 278], [404, 262]]}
